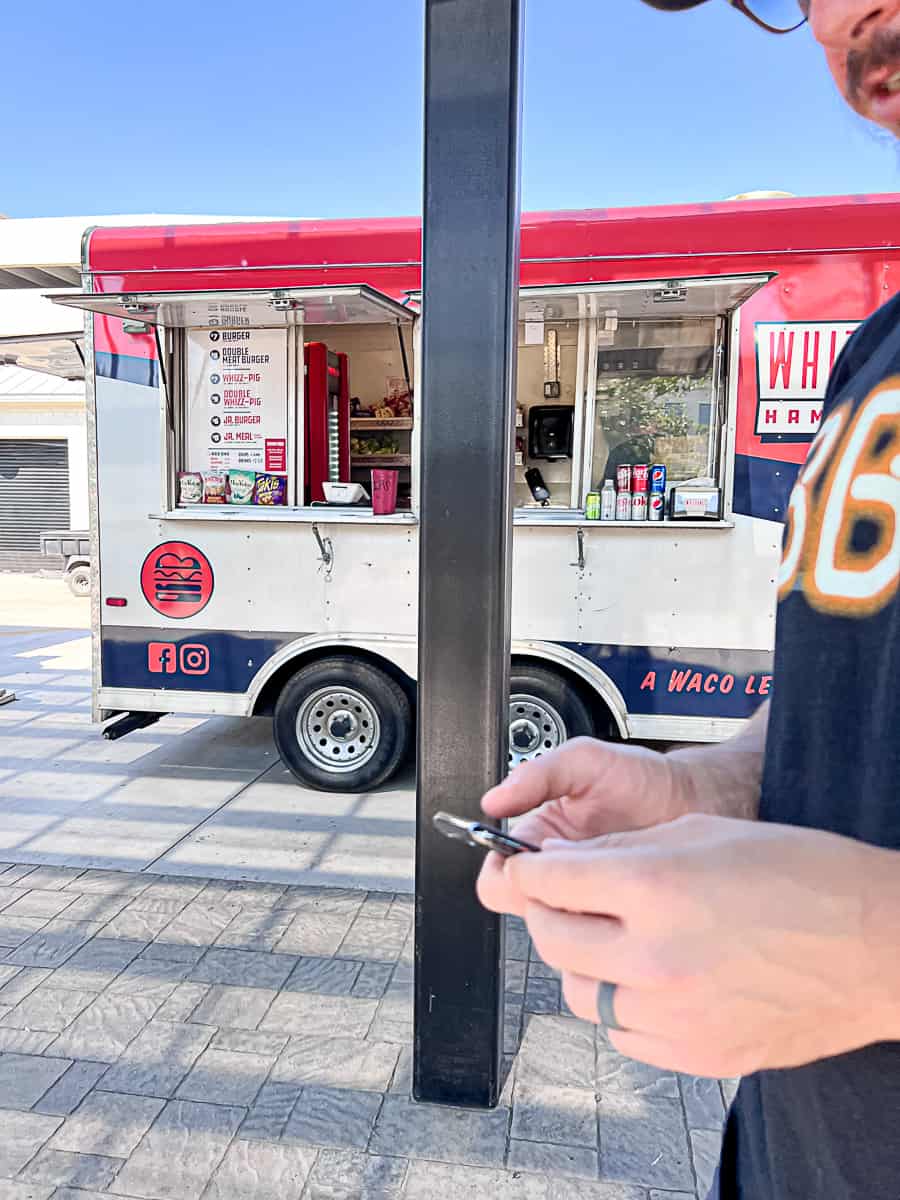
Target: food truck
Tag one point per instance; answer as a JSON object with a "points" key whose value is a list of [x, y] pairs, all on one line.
{"points": [[245, 380]]}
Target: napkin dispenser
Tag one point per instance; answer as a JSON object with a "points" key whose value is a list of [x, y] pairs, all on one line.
{"points": [[695, 501]]}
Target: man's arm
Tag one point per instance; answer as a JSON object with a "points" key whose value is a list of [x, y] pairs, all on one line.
{"points": [[724, 780]]}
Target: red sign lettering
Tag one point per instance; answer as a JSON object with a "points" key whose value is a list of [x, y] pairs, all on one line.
{"points": [[810, 359], [677, 680], [780, 359]]}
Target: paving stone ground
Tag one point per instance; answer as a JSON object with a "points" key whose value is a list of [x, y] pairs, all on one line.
{"points": [[208, 1055], [167, 1035]]}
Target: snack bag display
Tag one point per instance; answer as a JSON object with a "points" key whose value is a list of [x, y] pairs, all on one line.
{"points": [[214, 486], [190, 487], [271, 489], [240, 486]]}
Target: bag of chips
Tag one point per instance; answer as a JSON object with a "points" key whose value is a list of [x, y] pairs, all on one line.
{"points": [[240, 486], [214, 486], [190, 487], [271, 489]]}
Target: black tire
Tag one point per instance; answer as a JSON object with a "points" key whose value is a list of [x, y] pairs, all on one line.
{"points": [[557, 714], [79, 581], [331, 711]]}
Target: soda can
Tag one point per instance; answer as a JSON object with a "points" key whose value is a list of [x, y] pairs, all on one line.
{"points": [[592, 506], [657, 509], [639, 506], [658, 479], [623, 478], [607, 504], [640, 478], [623, 506]]}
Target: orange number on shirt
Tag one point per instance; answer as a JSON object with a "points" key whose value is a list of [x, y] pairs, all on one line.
{"points": [[857, 559], [800, 515]]}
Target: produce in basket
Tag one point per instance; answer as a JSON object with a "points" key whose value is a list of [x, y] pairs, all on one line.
{"points": [[377, 446]]}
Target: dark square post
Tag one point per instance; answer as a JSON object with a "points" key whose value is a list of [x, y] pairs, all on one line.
{"points": [[473, 52]]}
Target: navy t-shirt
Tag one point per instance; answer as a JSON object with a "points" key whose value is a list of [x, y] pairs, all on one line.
{"points": [[831, 1130]]}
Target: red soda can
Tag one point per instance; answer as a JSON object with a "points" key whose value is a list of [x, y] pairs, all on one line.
{"points": [[639, 506], [623, 478], [623, 506], [640, 478], [657, 508]]}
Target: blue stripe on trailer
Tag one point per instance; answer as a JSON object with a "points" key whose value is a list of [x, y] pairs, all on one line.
{"points": [[194, 660], [127, 367], [684, 682], [762, 487], [654, 680]]}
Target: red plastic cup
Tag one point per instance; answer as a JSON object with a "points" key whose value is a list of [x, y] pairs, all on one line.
{"points": [[384, 491]]}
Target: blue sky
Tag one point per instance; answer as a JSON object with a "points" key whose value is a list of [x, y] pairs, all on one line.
{"points": [[314, 109]]}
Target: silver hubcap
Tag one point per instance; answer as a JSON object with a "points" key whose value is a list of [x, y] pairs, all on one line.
{"points": [[338, 729], [535, 728]]}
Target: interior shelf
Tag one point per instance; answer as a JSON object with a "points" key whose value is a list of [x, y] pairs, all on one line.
{"points": [[399, 423], [380, 460]]}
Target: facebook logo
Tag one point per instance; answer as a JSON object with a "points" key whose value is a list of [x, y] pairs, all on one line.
{"points": [[162, 658], [165, 658]]}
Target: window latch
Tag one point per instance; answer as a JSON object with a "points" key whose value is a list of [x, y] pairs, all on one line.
{"points": [[326, 551], [580, 563]]}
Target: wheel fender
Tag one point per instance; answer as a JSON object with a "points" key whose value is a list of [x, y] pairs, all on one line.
{"points": [[598, 681], [400, 652]]}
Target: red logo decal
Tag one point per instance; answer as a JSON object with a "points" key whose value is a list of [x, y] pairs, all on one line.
{"points": [[161, 658], [195, 659], [165, 658], [177, 580]]}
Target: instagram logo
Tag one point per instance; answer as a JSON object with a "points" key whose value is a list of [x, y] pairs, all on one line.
{"points": [[195, 659], [165, 658]]}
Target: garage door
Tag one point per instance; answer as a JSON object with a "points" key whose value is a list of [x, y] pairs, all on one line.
{"points": [[34, 498]]}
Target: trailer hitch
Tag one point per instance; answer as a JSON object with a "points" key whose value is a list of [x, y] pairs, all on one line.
{"points": [[326, 551], [129, 722]]}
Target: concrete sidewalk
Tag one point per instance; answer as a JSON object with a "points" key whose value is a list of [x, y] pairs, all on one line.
{"points": [[185, 795]]}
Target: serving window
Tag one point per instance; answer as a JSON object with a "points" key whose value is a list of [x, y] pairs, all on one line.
{"points": [[284, 398], [657, 399], [623, 373]]}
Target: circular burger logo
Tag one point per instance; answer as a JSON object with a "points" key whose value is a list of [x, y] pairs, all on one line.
{"points": [[177, 580]]}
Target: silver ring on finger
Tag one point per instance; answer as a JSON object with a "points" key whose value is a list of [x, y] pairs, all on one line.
{"points": [[606, 1006]]}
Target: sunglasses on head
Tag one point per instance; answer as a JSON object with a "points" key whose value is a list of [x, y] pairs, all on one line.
{"points": [[776, 16]]}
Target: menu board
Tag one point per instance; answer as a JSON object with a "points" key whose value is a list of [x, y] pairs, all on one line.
{"points": [[237, 399]]}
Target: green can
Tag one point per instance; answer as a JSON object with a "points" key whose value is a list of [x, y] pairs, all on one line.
{"points": [[592, 506]]}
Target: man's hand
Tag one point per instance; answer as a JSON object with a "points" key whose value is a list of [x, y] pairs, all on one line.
{"points": [[587, 788], [734, 945], [583, 789]]}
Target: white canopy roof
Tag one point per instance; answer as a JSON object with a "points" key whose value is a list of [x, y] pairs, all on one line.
{"points": [[45, 252]]}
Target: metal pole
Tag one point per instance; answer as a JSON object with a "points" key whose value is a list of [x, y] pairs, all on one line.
{"points": [[473, 51]]}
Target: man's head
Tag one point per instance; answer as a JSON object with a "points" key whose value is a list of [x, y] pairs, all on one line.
{"points": [[861, 40]]}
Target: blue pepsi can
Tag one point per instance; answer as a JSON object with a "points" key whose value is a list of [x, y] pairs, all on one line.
{"points": [[658, 479]]}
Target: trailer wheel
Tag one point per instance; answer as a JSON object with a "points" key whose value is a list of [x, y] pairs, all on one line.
{"points": [[544, 712], [79, 581], [342, 725]]}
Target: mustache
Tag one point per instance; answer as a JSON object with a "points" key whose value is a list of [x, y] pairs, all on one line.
{"points": [[882, 50]]}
